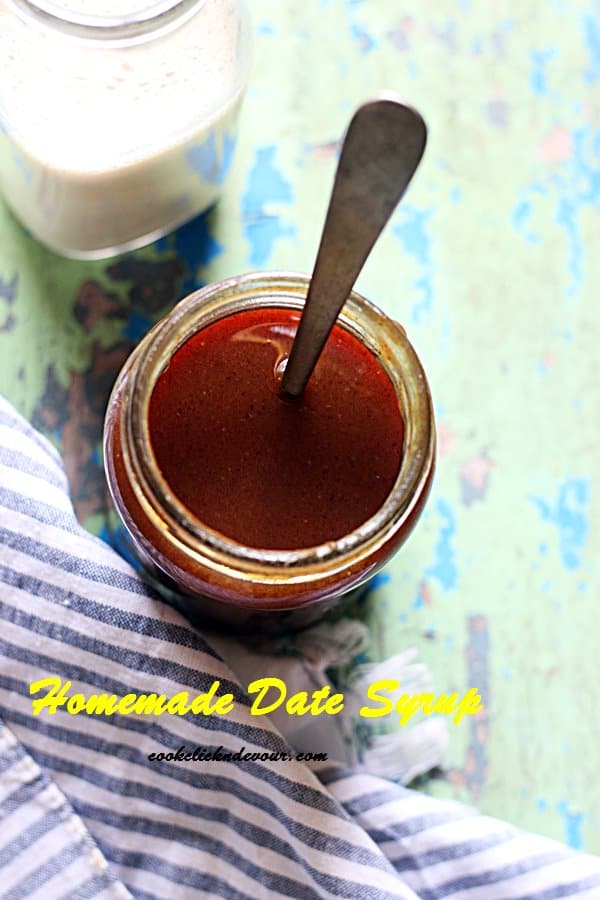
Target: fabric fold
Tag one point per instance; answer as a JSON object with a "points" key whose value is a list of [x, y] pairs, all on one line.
{"points": [[45, 848]]}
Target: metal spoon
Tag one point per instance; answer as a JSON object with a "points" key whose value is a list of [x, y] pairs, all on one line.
{"points": [[381, 151]]}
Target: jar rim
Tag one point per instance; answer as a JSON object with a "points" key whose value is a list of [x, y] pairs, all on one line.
{"points": [[394, 352], [157, 16]]}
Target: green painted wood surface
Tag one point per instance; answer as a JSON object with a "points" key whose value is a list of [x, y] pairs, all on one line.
{"points": [[492, 264]]}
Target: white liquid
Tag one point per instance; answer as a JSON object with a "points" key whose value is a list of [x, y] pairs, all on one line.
{"points": [[102, 148], [110, 8]]}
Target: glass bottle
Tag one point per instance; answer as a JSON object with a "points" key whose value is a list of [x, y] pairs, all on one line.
{"points": [[118, 118]]}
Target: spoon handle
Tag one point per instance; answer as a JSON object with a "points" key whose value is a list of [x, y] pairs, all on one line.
{"points": [[381, 151]]}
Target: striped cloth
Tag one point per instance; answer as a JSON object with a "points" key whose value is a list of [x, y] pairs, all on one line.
{"points": [[85, 813]]}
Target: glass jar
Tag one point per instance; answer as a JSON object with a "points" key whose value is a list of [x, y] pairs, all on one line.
{"points": [[118, 118], [243, 587]]}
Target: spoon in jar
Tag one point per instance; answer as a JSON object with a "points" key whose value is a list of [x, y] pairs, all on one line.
{"points": [[382, 148]]}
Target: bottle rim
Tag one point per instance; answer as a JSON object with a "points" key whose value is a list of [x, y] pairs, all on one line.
{"points": [[156, 17], [394, 352]]}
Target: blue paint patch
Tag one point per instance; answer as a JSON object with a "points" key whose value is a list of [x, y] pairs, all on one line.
{"points": [[456, 195], [411, 230], [546, 587], [538, 78], [444, 568], [265, 182], [583, 188], [120, 541], [137, 326], [572, 823], [424, 307], [520, 220], [565, 217], [543, 548], [266, 29], [366, 42], [582, 586], [591, 32], [105, 535], [521, 214], [379, 580], [197, 247], [449, 644], [211, 161], [402, 617], [412, 233], [569, 515], [262, 236], [162, 245], [541, 804], [418, 602], [265, 186]]}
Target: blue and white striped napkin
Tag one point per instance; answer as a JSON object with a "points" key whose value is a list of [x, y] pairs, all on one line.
{"points": [[85, 813]]}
